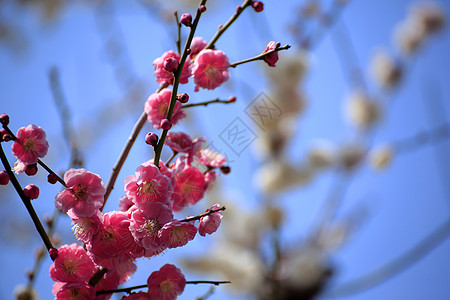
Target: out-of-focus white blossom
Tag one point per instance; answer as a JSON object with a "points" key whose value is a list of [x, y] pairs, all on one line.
{"points": [[362, 111], [273, 140], [424, 19], [381, 157], [290, 71], [23, 292], [385, 70], [305, 268], [350, 155], [277, 175], [239, 265], [322, 154]]}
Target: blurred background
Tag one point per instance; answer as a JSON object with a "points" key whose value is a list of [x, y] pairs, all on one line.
{"points": [[339, 186]]}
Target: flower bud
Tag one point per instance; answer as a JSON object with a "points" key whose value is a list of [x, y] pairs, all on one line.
{"points": [[31, 191], [171, 65], [151, 139], [232, 99], [238, 9], [225, 170], [53, 252], [165, 124], [4, 135], [4, 178], [31, 170], [202, 8], [186, 20], [4, 119], [52, 178], [258, 6], [183, 98]]}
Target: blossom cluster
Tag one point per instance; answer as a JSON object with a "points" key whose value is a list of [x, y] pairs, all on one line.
{"points": [[144, 226]]}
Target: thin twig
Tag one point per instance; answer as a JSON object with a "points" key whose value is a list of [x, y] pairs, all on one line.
{"points": [[129, 289], [204, 214], [174, 154], [260, 56], [223, 28], [177, 76], [208, 293], [65, 117], [26, 201], [394, 267], [432, 136], [125, 151], [205, 103], [178, 42]]}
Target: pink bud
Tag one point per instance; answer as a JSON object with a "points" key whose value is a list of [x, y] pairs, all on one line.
{"points": [[225, 169], [4, 119], [165, 124], [232, 99], [171, 65], [4, 135], [238, 9], [258, 6], [31, 170], [183, 98], [4, 178], [186, 20], [52, 178], [31, 191], [202, 8], [151, 139], [53, 252]]}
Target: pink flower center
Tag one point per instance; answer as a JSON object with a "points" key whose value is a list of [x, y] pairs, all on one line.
{"points": [[163, 108], [29, 144], [151, 227], [83, 226], [166, 286], [74, 293], [210, 71], [69, 266], [149, 188], [107, 235], [80, 192]]}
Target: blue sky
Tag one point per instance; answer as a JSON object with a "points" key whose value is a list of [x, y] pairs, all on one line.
{"points": [[406, 202]]}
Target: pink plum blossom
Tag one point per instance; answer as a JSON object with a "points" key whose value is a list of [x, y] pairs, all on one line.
{"points": [[145, 226], [209, 224], [114, 238], [179, 142], [84, 193], [210, 158], [210, 178], [210, 69], [189, 187], [30, 145], [157, 106], [137, 296], [197, 45], [271, 58], [72, 265], [182, 143], [125, 203], [167, 283], [148, 185], [176, 233], [85, 228], [163, 76], [73, 290]]}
